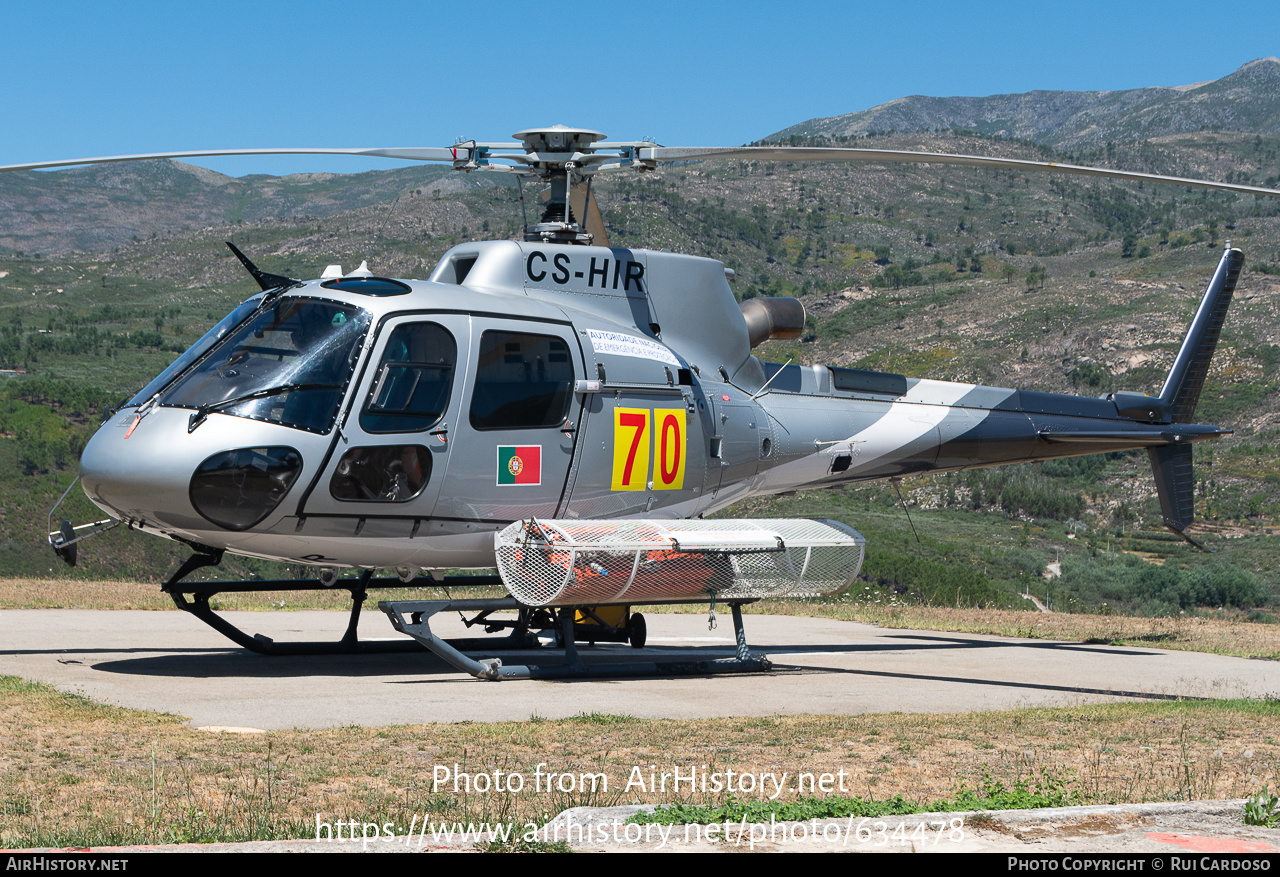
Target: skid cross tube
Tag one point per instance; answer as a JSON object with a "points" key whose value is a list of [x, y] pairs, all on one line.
{"points": [[413, 617]]}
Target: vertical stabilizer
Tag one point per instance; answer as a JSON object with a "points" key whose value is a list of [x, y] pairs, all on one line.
{"points": [[1182, 387], [1175, 483], [1172, 464]]}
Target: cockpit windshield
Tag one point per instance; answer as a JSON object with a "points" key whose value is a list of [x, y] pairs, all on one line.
{"points": [[288, 365], [195, 351]]}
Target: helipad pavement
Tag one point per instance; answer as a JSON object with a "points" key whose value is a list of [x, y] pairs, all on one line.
{"points": [[170, 662]]}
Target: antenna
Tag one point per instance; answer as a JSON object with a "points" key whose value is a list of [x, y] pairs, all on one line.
{"points": [[524, 216]]}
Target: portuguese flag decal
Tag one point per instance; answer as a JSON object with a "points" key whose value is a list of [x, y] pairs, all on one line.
{"points": [[519, 464]]}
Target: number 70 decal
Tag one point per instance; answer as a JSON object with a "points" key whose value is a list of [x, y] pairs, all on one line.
{"points": [[638, 430]]}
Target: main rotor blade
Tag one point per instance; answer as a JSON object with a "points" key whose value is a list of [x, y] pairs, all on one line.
{"points": [[408, 153], [467, 156], [813, 153]]}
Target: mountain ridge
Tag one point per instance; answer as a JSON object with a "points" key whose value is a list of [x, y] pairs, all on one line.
{"points": [[1246, 100]]}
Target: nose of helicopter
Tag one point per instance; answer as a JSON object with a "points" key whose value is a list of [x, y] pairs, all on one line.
{"points": [[129, 472], [155, 471]]}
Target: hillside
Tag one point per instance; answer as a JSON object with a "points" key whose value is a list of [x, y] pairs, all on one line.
{"points": [[97, 208]]}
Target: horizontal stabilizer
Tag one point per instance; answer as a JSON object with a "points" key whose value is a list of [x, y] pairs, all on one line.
{"points": [[1135, 437], [592, 563]]}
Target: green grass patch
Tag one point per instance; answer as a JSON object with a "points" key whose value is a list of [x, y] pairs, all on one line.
{"points": [[1045, 790]]}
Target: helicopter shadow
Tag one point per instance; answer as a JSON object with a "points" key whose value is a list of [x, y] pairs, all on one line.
{"points": [[235, 663], [1001, 683], [240, 663], [950, 642], [925, 643]]}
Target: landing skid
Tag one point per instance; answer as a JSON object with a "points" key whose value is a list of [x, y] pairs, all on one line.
{"points": [[414, 618], [201, 592]]}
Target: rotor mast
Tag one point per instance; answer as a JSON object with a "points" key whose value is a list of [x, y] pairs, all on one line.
{"points": [[563, 157]]}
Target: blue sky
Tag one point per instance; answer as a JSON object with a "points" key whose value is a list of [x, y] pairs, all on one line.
{"points": [[92, 78]]}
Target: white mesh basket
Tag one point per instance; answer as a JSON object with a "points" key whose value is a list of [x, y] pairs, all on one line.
{"points": [[575, 563]]}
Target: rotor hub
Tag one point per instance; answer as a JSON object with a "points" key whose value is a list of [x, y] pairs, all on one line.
{"points": [[558, 139]]}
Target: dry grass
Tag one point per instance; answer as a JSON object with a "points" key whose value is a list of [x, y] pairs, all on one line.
{"points": [[1219, 635], [73, 594], [75, 772]]}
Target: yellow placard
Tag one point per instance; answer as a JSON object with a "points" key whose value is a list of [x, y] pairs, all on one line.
{"points": [[669, 448], [635, 430], [631, 429]]}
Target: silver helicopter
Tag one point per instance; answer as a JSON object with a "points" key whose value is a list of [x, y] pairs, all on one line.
{"points": [[565, 412]]}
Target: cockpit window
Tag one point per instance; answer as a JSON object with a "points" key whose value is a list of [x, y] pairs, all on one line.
{"points": [[289, 365], [411, 388], [225, 325]]}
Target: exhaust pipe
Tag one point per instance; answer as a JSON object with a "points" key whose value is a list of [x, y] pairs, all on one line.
{"points": [[773, 319]]}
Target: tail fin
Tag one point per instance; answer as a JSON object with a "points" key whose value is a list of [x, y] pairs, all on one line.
{"points": [[1182, 387], [1176, 487], [1171, 464]]}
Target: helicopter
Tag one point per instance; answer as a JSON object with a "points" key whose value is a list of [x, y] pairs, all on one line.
{"points": [[566, 412]]}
